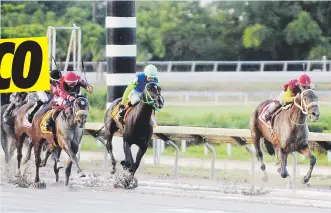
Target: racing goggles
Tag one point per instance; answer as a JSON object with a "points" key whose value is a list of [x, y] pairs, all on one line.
{"points": [[71, 83], [151, 79]]}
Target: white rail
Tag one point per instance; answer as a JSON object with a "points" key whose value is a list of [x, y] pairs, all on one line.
{"points": [[206, 135], [323, 65]]}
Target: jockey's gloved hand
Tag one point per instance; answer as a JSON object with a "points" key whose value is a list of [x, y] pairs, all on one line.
{"points": [[89, 89], [71, 98]]}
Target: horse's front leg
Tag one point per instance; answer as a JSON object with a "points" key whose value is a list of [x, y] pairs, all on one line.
{"points": [[283, 169], [140, 155], [305, 150], [48, 153], [28, 154], [128, 163], [72, 151]]}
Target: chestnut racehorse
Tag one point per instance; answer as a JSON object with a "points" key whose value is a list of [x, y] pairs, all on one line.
{"points": [[69, 124]]}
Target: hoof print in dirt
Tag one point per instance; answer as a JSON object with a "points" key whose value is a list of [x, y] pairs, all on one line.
{"points": [[39, 185]]}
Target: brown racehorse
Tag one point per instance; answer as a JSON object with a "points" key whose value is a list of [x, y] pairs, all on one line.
{"points": [[68, 130], [289, 131]]}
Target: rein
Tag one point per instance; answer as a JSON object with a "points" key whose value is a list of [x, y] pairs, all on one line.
{"points": [[149, 99], [303, 106]]}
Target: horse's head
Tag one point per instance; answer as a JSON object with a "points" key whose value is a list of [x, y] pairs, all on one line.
{"points": [[307, 101], [80, 107], [152, 96]]}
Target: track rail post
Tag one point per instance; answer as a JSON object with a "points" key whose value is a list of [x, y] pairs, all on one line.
{"points": [[177, 154], [212, 169]]}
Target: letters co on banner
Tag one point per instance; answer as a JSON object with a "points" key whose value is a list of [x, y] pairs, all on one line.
{"points": [[24, 65]]}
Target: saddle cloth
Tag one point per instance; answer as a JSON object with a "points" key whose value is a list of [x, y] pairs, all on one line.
{"points": [[43, 122], [115, 114]]}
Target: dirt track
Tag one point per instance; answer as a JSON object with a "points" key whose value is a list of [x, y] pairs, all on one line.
{"points": [[159, 191]]}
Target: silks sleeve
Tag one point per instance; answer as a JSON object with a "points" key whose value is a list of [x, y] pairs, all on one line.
{"points": [[287, 96], [128, 90]]}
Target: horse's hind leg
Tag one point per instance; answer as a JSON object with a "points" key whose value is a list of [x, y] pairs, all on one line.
{"points": [[56, 154], [68, 171], [19, 145], [37, 151], [4, 144], [256, 138], [109, 147], [49, 151], [140, 155], [28, 154], [305, 150]]}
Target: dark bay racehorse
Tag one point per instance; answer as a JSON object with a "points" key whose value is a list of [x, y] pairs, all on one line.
{"points": [[138, 127], [69, 126], [8, 140], [289, 132]]}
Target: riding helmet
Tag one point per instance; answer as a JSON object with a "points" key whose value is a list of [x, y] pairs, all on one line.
{"points": [[55, 75], [150, 71]]}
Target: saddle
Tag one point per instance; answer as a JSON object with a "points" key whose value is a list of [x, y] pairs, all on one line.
{"points": [[115, 114], [270, 124]]}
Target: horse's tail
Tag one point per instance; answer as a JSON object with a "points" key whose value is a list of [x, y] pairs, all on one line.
{"points": [[239, 140], [269, 147]]}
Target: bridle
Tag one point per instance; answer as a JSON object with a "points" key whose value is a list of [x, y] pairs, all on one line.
{"points": [[149, 99], [303, 106], [80, 111]]}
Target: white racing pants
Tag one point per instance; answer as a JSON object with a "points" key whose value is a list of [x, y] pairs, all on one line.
{"points": [[42, 96]]}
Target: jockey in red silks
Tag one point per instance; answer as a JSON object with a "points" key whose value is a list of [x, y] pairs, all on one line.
{"points": [[69, 83], [290, 90]]}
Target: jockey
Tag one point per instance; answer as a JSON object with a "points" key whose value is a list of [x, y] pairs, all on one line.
{"points": [[15, 99], [290, 90], [69, 83], [135, 89], [45, 97]]}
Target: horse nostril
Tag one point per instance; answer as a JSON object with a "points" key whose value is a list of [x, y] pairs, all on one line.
{"points": [[316, 114]]}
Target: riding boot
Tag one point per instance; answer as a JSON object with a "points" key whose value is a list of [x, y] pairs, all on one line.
{"points": [[121, 113], [35, 109], [49, 123], [7, 112], [272, 108], [123, 110]]}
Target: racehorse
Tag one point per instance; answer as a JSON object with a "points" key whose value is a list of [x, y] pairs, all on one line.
{"points": [[7, 128], [288, 131], [137, 129], [68, 132]]}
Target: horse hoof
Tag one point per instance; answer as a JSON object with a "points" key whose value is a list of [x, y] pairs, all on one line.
{"points": [[284, 174], [112, 171], [131, 184], [305, 180], [82, 174], [262, 167], [39, 185]]}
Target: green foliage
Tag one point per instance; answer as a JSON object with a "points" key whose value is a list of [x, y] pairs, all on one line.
{"points": [[183, 30], [303, 29], [254, 35]]}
